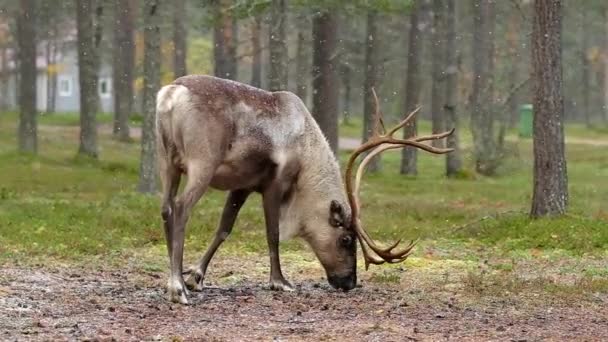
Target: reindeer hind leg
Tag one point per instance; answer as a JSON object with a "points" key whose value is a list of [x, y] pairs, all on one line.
{"points": [[199, 177]]}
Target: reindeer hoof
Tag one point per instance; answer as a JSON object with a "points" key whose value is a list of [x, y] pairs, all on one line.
{"points": [[194, 281], [281, 285], [177, 293]]}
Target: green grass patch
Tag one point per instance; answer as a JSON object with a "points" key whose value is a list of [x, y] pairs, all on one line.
{"points": [[71, 119], [55, 204]]}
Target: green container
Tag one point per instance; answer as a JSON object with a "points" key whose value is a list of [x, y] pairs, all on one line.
{"points": [[526, 115]]}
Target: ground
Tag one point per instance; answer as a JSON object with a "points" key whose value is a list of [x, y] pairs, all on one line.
{"points": [[41, 303], [82, 254]]}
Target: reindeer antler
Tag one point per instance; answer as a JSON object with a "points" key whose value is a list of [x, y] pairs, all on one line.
{"points": [[376, 144]]}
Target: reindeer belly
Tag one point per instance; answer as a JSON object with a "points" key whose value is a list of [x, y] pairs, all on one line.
{"points": [[243, 169]]}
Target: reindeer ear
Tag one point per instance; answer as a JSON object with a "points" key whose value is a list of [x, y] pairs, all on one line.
{"points": [[336, 214]]}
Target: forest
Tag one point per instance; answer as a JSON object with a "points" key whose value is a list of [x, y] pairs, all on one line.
{"points": [[508, 213]]}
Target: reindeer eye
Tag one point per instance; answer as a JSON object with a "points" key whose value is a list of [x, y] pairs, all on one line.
{"points": [[346, 240]]}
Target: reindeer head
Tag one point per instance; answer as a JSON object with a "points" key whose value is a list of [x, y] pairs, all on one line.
{"points": [[334, 242], [350, 226]]}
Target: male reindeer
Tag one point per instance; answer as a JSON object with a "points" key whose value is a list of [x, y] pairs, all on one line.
{"points": [[240, 139]]}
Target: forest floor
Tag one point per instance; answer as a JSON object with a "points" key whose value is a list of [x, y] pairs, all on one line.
{"points": [[82, 254], [103, 303]]}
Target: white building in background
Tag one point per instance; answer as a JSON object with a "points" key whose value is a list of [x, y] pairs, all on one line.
{"points": [[67, 94]]}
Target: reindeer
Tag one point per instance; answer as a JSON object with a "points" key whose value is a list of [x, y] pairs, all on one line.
{"points": [[237, 138]]}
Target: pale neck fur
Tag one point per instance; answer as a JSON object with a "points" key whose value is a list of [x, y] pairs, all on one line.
{"points": [[319, 182]]}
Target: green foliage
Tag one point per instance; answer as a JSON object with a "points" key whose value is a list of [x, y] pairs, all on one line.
{"points": [[386, 6], [200, 56]]}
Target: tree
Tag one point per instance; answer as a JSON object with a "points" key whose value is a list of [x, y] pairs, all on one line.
{"points": [[372, 64], [513, 39], [550, 196], [412, 86], [256, 63], [437, 67], [453, 162], [152, 56], [302, 59], [123, 65], [50, 19], [346, 76], [605, 84], [89, 38], [26, 40], [324, 76], [179, 38], [224, 40], [3, 76], [586, 67], [277, 72], [482, 95]]}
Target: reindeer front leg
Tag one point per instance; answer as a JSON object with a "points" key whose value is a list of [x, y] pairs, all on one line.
{"points": [[271, 198], [233, 205]]}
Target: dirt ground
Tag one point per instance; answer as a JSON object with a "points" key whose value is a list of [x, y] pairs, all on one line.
{"points": [[58, 303]]}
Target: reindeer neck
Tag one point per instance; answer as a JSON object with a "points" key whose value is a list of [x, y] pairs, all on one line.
{"points": [[320, 174]]}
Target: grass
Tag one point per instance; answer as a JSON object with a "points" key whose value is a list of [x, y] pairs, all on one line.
{"points": [[70, 119], [55, 206]]}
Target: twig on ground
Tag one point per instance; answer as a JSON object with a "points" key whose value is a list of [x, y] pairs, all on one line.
{"points": [[484, 218]]}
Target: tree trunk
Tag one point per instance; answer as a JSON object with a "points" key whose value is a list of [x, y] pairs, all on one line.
{"points": [[179, 38], [412, 86], [550, 196], [3, 79], [513, 33], [152, 57], [453, 162], [26, 40], [256, 64], [586, 69], [346, 100], [324, 74], [277, 71], [124, 63], [437, 66], [372, 64], [302, 61], [51, 70], [87, 77], [224, 36], [97, 37], [605, 83], [482, 96]]}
